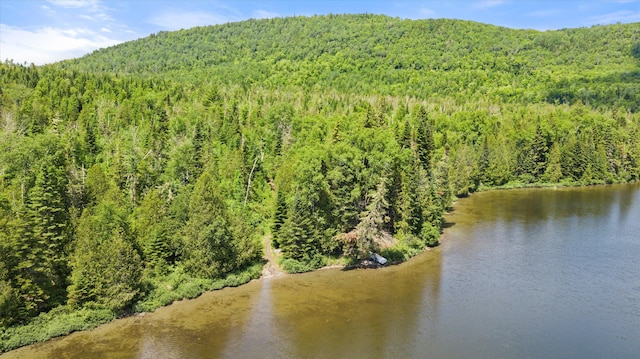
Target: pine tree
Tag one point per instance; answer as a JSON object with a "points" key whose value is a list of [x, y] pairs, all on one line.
{"points": [[553, 172], [372, 222], [41, 234], [540, 153], [151, 227], [406, 139], [10, 302], [209, 249], [298, 237], [424, 138], [408, 204], [279, 217], [106, 267]]}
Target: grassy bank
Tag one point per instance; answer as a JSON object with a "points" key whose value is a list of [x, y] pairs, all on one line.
{"points": [[165, 290], [516, 185], [178, 285]]}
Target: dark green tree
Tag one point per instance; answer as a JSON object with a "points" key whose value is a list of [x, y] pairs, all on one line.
{"points": [[106, 267], [424, 138], [152, 230], [373, 221], [209, 249]]}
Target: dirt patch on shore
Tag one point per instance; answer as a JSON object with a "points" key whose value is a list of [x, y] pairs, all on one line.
{"points": [[271, 268]]}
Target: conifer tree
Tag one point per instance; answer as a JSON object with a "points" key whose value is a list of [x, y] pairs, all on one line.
{"points": [[151, 227], [106, 267], [279, 217], [553, 172], [298, 237], [209, 249], [424, 138], [372, 222]]}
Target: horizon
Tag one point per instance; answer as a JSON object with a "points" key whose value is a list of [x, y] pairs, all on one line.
{"points": [[48, 31]]}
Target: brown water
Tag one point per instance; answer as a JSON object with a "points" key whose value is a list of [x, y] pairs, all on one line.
{"points": [[521, 274]]}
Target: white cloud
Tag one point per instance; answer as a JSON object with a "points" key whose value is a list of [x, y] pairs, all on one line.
{"points": [[104, 29], [263, 14], [49, 44], [618, 16], [427, 12], [489, 3], [94, 7], [76, 4], [175, 20], [103, 16], [544, 13]]}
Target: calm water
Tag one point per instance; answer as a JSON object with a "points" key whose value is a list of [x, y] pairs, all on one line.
{"points": [[521, 274]]}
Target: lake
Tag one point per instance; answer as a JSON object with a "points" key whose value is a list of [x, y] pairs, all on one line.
{"points": [[532, 273]]}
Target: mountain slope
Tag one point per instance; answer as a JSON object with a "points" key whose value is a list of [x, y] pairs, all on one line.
{"points": [[377, 54], [157, 169]]}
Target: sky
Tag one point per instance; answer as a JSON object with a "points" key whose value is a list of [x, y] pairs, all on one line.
{"points": [[46, 31]]}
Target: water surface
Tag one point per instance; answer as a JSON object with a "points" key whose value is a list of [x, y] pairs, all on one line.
{"points": [[536, 273]]}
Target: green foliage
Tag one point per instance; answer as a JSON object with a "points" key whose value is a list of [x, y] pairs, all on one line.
{"points": [[430, 234], [375, 54], [424, 138], [635, 50], [212, 247], [57, 322], [178, 284], [291, 265], [149, 171], [9, 300], [152, 230], [369, 230], [208, 243], [106, 268]]}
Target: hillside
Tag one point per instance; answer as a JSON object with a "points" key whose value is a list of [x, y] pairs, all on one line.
{"points": [[374, 54], [157, 169]]}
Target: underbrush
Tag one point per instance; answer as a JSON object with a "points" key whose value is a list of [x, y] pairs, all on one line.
{"points": [[163, 290], [294, 266], [179, 285], [57, 322]]}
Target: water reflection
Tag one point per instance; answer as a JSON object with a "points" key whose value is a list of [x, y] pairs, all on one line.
{"points": [[352, 314], [543, 273], [260, 335], [523, 273]]}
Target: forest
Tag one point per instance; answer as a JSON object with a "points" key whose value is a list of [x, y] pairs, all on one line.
{"points": [[160, 168]]}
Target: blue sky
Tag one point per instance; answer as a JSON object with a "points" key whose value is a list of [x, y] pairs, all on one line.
{"points": [[50, 30]]}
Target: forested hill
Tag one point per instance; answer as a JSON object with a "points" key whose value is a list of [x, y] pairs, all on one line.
{"points": [[157, 169], [382, 55]]}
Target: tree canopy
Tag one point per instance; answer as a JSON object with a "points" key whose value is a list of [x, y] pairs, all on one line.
{"points": [[173, 156]]}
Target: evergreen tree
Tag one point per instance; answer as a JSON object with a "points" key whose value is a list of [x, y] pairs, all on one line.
{"points": [[151, 227], [540, 152], [553, 172], [47, 233], [406, 139], [298, 236], [11, 304], [424, 138], [106, 267], [209, 249], [372, 222], [279, 217]]}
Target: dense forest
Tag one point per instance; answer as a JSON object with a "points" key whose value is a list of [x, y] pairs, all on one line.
{"points": [[159, 168]]}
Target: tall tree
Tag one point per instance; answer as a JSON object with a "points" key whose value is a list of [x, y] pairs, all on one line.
{"points": [[424, 138], [106, 267], [209, 249], [372, 223]]}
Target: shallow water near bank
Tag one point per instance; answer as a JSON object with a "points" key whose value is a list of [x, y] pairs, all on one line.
{"points": [[530, 273]]}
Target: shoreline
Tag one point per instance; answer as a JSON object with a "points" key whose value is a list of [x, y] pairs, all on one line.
{"points": [[269, 270]]}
